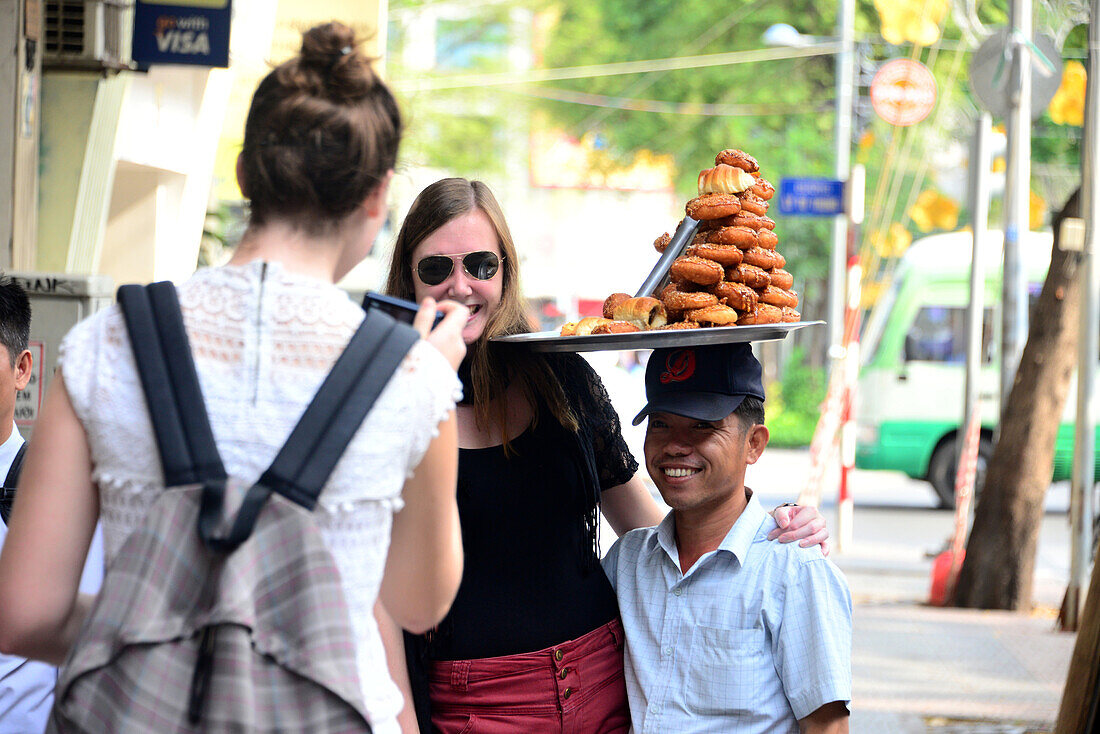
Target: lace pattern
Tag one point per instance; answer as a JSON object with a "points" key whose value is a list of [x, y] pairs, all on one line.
{"points": [[263, 340]]}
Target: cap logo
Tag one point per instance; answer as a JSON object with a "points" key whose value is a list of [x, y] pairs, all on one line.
{"points": [[679, 366]]}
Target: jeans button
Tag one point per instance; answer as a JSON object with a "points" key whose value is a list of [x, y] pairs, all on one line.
{"points": [[558, 655], [568, 693], [564, 672]]}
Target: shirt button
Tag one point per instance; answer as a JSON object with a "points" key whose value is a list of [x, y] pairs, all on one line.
{"points": [[558, 655], [677, 591], [668, 651]]}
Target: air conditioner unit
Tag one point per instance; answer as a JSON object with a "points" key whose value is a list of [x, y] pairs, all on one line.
{"points": [[88, 34]]}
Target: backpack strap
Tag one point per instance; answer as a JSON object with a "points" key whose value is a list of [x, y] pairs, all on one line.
{"points": [[177, 411], [7, 492], [310, 454], [182, 427]]}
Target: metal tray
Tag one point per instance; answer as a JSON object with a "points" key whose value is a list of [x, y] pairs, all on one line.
{"points": [[551, 341]]}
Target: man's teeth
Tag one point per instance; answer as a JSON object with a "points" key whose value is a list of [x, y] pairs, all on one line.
{"points": [[679, 472]]}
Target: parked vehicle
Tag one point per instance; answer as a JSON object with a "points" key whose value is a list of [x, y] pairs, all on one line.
{"points": [[913, 379]]}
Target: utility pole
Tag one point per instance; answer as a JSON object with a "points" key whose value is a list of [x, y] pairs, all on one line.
{"points": [[845, 79], [1014, 300], [1084, 447]]}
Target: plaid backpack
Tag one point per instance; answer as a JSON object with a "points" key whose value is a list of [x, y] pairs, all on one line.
{"points": [[224, 611]]}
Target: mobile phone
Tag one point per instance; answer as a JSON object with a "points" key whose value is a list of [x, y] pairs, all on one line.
{"points": [[402, 310]]}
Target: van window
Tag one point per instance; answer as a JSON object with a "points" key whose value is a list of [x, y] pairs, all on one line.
{"points": [[938, 334]]}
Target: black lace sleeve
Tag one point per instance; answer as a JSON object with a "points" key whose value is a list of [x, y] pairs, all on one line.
{"points": [[599, 421]]}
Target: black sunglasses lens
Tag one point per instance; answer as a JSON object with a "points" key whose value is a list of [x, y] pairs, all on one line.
{"points": [[434, 269], [481, 265]]}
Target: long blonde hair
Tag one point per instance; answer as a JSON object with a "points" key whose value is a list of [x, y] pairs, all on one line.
{"points": [[490, 365]]}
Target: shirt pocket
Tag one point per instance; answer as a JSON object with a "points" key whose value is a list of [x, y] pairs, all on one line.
{"points": [[727, 670]]}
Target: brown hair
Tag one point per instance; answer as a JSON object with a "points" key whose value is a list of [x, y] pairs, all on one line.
{"points": [[321, 133], [436, 205]]}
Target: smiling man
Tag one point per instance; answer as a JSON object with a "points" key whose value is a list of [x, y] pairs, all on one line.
{"points": [[725, 631]]}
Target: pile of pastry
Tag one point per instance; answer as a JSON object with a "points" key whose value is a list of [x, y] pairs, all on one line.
{"points": [[730, 274]]}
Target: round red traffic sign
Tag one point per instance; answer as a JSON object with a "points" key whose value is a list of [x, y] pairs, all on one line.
{"points": [[903, 92]]}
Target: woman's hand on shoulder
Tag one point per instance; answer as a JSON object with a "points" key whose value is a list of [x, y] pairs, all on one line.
{"points": [[447, 336], [802, 523]]}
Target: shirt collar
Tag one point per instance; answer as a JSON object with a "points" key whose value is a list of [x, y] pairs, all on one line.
{"points": [[10, 448], [737, 540]]}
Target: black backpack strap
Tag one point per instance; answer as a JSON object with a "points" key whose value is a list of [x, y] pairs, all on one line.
{"points": [[7, 492], [177, 411], [310, 454]]}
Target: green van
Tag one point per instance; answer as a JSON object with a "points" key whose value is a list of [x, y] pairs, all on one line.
{"points": [[913, 378]]}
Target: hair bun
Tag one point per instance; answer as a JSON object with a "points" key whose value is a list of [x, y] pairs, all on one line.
{"points": [[323, 45]]}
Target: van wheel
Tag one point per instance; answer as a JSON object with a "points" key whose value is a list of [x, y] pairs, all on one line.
{"points": [[941, 470]]}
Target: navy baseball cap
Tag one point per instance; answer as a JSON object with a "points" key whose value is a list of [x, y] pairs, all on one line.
{"points": [[706, 382]]}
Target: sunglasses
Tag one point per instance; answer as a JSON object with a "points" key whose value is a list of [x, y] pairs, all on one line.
{"points": [[434, 269]]}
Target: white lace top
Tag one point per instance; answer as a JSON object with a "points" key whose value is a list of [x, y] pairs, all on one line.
{"points": [[263, 340]]}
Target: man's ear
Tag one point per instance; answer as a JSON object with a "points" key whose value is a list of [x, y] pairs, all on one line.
{"points": [[757, 440], [23, 367]]}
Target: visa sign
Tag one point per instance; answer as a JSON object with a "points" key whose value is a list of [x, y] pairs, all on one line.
{"points": [[192, 32]]}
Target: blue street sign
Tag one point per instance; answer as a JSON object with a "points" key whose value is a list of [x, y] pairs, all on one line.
{"points": [[182, 32], [811, 197]]}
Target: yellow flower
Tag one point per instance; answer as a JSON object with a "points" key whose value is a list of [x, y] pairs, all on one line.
{"points": [[933, 210], [892, 243], [1068, 105], [914, 21], [1037, 209]]}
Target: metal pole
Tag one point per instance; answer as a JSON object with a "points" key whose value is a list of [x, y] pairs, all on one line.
{"points": [[1088, 345], [1017, 197], [845, 79], [979, 223]]}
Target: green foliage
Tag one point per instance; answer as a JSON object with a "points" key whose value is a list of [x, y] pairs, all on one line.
{"points": [[794, 403]]}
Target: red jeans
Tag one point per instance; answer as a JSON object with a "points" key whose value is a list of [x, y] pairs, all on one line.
{"points": [[576, 687]]}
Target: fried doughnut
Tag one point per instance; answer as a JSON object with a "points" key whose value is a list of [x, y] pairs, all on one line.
{"points": [[713, 206], [661, 242], [697, 270], [687, 286], [778, 297], [611, 302], [780, 261], [738, 158], [790, 315], [645, 312], [723, 179], [717, 314], [569, 328], [700, 238], [737, 295], [750, 275], [726, 255], [760, 257], [615, 327], [753, 221], [762, 188], [709, 225], [781, 278], [742, 237], [679, 325], [765, 313], [767, 239], [677, 300], [588, 323], [752, 203]]}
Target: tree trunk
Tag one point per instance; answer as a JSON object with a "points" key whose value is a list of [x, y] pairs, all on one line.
{"points": [[998, 570], [1081, 681]]}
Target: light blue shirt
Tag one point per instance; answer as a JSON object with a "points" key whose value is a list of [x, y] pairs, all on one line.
{"points": [[26, 686], [757, 635]]}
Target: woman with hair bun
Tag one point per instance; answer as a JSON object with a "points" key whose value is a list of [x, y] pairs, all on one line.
{"points": [[533, 642], [320, 144]]}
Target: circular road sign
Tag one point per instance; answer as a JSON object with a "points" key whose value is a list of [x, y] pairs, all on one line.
{"points": [[903, 92], [991, 72]]}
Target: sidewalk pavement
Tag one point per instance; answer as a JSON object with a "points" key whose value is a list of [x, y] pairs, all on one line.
{"points": [[931, 670]]}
